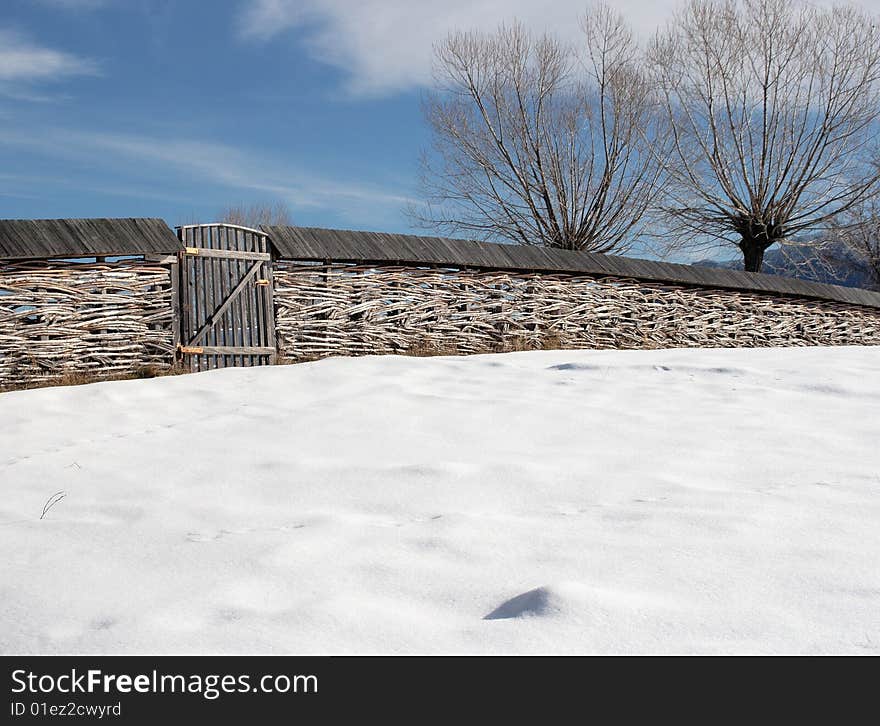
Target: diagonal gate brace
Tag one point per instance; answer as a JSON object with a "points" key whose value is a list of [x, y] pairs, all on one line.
{"points": [[227, 301]]}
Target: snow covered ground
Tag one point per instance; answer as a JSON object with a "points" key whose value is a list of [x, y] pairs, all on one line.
{"points": [[596, 501]]}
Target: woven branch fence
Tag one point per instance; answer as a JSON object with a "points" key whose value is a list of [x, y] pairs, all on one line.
{"points": [[350, 309], [60, 319]]}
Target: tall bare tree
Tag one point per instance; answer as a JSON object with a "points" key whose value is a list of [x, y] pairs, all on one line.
{"points": [[257, 213], [539, 142], [773, 105]]}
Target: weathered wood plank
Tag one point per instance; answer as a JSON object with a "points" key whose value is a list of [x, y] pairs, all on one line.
{"points": [[176, 312], [227, 254], [46, 238], [352, 309], [217, 310], [310, 243], [226, 350]]}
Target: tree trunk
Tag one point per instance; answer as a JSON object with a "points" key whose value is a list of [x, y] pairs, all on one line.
{"points": [[753, 255]]}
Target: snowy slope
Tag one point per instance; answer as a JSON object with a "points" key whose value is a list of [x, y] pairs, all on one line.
{"points": [[595, 501]]}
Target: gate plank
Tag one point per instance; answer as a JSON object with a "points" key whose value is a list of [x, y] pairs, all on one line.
{"points": [[269, 302], [245, 300], [226, 350], [209, 323], [223, 327], [227, 254], [224, 315], [201, 295], [214, 337], [235, 310]]}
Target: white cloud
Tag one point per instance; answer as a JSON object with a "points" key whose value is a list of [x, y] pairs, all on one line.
{"points": [[236, 170], [22, 60], [239, 169], [384, 46]]}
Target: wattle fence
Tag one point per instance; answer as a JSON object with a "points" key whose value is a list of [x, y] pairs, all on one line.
{"points": [[62, 318], [219, 295], [353, 309], [356, 293]]}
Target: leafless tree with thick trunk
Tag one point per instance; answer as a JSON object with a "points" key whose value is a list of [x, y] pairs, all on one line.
{"points": [[253, 215], [773, 106], [538, 142]]}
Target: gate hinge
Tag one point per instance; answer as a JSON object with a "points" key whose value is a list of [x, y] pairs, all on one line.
{"points": [[190, 350], [191, 250], [263, 282]]}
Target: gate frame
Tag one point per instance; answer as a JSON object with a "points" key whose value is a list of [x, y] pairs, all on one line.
{"points": [[188, 343]]}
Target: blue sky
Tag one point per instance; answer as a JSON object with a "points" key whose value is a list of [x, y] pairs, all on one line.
{"points": [[176, 108], [166, 109]]}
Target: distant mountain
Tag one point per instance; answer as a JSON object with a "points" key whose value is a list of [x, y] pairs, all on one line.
{"points": [[802, 262]]}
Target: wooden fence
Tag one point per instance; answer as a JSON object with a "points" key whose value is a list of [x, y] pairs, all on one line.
{"points": [[350, 309], [335, 293], [62, 319]]}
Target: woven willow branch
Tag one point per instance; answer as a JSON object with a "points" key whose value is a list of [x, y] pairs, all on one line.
{"points": [[62, 318], [354, 310]]}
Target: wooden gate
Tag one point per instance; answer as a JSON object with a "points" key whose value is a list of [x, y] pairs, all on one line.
{"points": [[225, 303]]}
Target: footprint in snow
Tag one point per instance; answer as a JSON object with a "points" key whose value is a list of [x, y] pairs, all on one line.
{"points": [[220, 534]]}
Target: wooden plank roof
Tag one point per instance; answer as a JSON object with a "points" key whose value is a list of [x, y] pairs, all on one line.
{"points": [[312, 243], [42, 238]]}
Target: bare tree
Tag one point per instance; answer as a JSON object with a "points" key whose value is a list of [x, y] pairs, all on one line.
{"points": [[253, 215], [773, 105], [858, 233], [538, 142]]}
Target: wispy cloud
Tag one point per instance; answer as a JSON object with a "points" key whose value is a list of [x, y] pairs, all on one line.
{"points": [[239, 169], [384, 46], [74, 4], [155, 163], [24, 61], [34, 186]]}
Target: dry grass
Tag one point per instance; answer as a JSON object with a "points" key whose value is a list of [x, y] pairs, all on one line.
{"points": [[79, 378], [427, 348], [430, 347], [424, 348], [518, 343]]}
